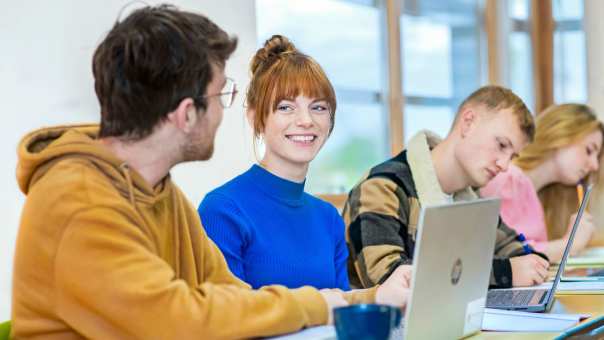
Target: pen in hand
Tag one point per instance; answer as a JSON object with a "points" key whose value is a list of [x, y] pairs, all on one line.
{"points": [[580, 192], [525, 245]]}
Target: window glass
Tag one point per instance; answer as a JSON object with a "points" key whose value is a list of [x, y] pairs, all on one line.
{"points": [[521, 67], [440, 49]]}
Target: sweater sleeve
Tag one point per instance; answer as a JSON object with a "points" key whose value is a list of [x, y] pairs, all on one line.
{"points": [[521, 209], [504, 186], [341, 254], [498, 186], [225, 225], [110, 283]]}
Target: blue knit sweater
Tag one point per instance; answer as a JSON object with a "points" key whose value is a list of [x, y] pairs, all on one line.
{"points": [[272, 232]]}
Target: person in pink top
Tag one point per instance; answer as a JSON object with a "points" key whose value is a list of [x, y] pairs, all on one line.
{"points": [[538, 192]]}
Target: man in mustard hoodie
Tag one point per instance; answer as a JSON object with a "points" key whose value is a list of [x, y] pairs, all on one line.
{"points": [[108, 246]]}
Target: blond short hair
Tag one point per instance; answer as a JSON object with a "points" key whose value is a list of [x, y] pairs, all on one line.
{"points": [[494, 98]]}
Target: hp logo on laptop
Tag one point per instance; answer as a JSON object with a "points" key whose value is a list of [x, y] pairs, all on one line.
{"points": [[456, 271]]}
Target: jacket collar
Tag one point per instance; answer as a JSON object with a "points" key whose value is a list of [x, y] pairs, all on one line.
{"points": [[419, 156]]}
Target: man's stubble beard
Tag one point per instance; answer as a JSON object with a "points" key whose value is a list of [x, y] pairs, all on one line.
{"points": [[198, 149]]}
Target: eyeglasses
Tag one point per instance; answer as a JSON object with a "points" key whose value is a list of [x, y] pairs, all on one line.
{"points": [[227, 95]]}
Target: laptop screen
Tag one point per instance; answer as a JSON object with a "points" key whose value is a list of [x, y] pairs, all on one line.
{"points": [[550, 297]]}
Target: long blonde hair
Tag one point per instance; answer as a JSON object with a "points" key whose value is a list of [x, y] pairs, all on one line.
{"points": [[556, 127]]}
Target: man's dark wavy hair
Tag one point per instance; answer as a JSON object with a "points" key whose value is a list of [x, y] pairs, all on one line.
{"points": [[152, 60]]}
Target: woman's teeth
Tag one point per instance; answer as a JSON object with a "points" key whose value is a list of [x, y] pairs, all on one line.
{"points": [[304, 138]]}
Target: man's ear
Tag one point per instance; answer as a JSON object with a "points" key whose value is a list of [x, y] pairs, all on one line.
{"points": [[185, 116], [467, 120]]}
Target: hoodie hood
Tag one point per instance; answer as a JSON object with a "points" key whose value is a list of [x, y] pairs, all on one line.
{"points": [[42, 149]]}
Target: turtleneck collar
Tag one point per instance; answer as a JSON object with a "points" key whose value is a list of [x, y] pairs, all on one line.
{"points": [[275, 186]]}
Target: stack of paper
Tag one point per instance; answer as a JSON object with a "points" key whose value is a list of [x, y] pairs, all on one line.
{"points": [[580, 287], [510, 321], [589, 257]]}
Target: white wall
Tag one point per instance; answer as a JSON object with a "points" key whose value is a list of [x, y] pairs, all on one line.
{"points": [[45, 79], [594, 35]]}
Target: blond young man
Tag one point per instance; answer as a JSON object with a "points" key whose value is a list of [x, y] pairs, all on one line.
{"points": [[381, 214]]}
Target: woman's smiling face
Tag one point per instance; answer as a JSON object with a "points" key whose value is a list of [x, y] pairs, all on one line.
{"points": [[296, 130]]}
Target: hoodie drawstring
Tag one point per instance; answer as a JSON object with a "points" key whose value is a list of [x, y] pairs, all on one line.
{"points": [[126, 170]]}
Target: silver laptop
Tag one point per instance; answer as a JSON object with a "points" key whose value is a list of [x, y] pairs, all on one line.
{"points": [[451, 269], [536, 300]]}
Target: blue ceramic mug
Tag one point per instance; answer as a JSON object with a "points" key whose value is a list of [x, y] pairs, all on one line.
{"points": [[367, 321]]}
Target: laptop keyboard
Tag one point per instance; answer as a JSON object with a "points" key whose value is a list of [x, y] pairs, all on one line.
{"points": [[503, 298]]}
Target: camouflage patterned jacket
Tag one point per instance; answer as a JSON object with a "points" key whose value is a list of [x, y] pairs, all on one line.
{"points": [[382, 212]]}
